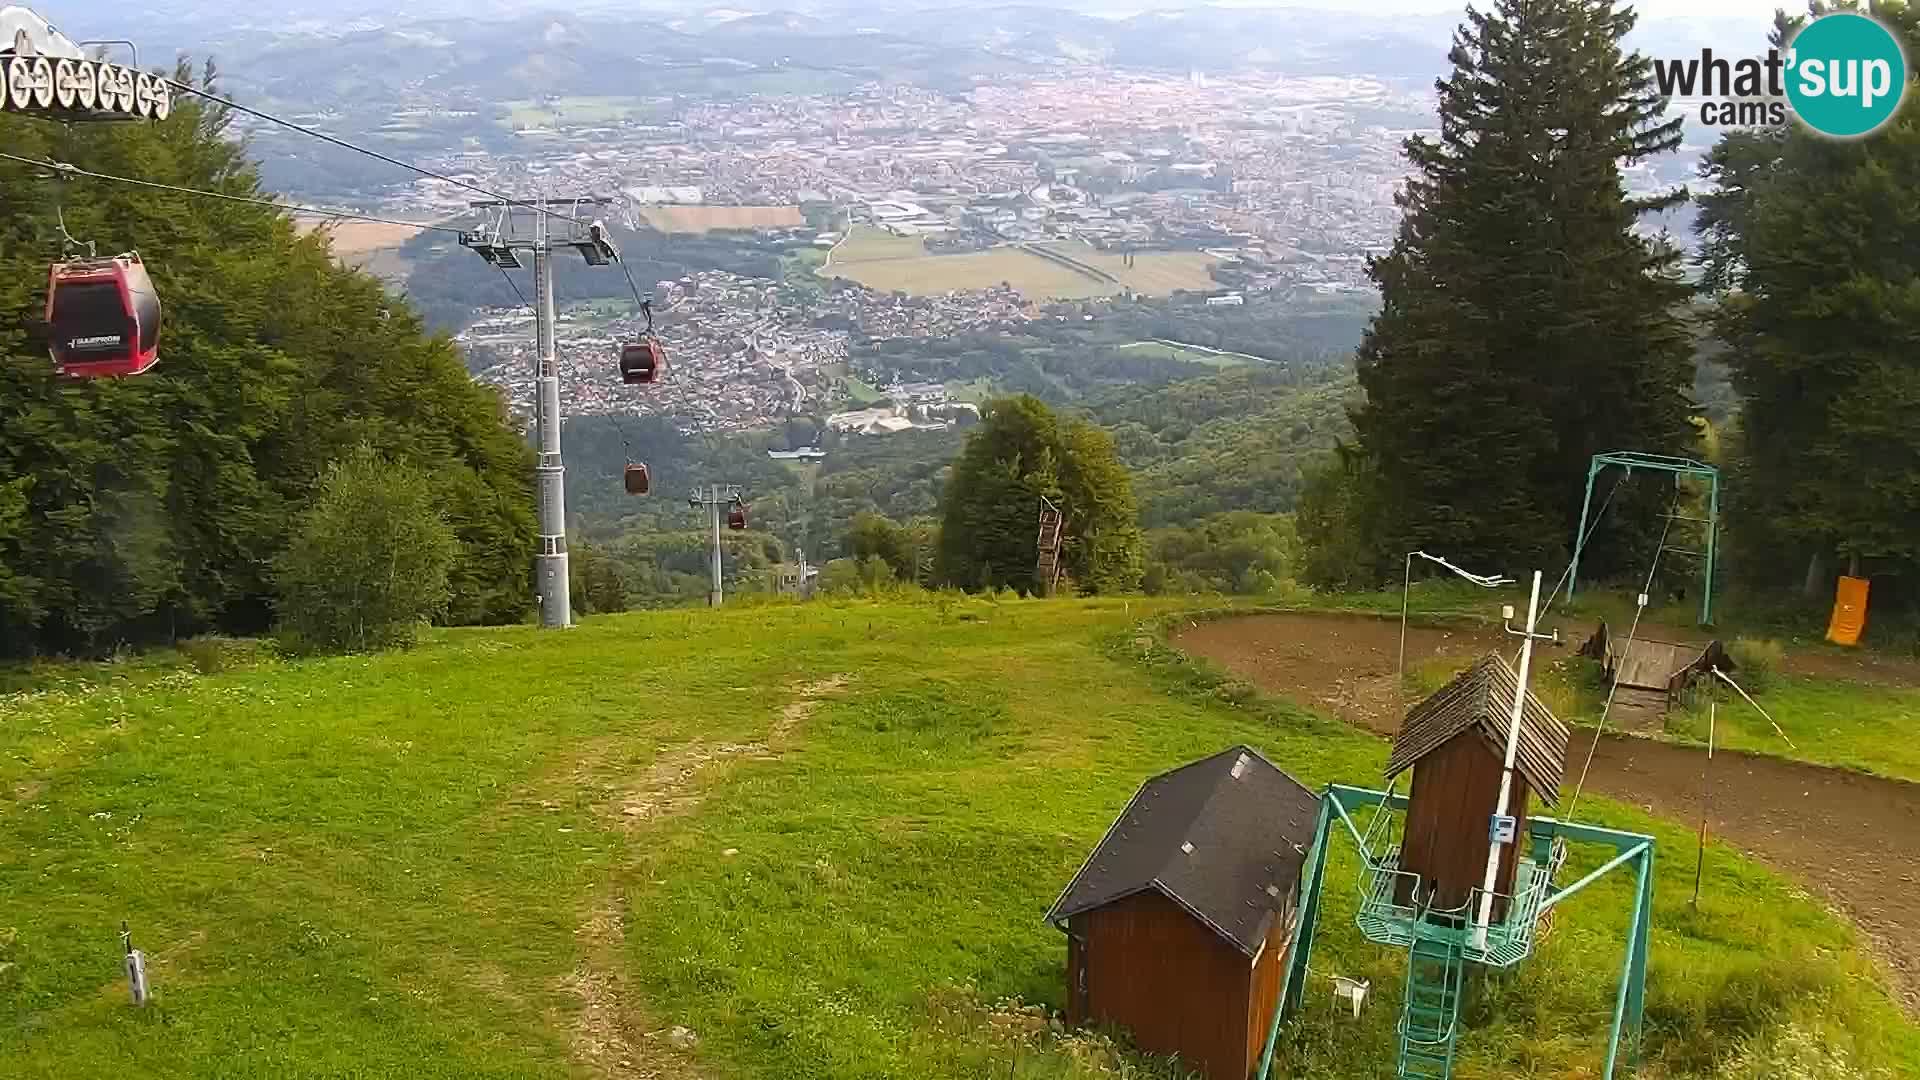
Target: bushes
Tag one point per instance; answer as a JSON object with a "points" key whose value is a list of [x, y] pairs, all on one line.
{"points": [[1759, 661], [211, 654], [369, 561]]}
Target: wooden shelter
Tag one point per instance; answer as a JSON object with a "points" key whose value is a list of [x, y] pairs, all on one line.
{"points": [[1651, 673], [1178, 923], [1455, 742]]}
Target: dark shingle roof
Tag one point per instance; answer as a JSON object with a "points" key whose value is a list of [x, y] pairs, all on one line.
{"points": [[1213, 836], [1481, 697]]}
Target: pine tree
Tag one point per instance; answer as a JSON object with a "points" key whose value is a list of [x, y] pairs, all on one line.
{"points": [[1814, 247], [1525, 325]]}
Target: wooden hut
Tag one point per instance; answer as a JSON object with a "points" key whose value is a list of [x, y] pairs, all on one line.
{"points": [[1456, 743], [1178, 922]]}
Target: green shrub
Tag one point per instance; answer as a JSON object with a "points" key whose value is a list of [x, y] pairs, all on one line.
{"points": [[1759, 661], [211, 654], [369, 562]]}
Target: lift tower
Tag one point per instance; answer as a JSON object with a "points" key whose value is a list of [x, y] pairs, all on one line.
{"points": [[539, 227], [712, 497]]}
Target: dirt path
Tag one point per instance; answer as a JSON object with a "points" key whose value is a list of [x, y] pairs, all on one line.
{"points": [[1845, 835], [613, 1035]]}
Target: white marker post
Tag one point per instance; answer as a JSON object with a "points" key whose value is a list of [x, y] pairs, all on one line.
{"points": [[1496, 843]]}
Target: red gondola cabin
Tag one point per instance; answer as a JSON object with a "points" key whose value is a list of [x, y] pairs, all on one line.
{"points": [[737, 517], [1179, 924], [103, 317], [642, 361], [637, 479]]}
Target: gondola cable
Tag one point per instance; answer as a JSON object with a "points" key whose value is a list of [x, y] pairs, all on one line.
{"points": [[64, 170], [375, 154]]}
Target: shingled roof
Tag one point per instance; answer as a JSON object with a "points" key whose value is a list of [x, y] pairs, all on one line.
{"points": [[1224, 837], [1481, 698]]}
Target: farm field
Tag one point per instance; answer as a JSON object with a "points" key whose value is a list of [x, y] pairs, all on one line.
{"points": [[572, 110], [700, 219], [819, 838], [1168, 351], [880, 260], [369, 245], [1154, 273]]}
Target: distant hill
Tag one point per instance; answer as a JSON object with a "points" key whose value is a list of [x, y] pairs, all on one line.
{"points": [[1234, 440]]}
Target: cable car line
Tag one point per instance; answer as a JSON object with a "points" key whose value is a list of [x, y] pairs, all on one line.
{"points": [[516, 287], [64, 169], [375, 154]]}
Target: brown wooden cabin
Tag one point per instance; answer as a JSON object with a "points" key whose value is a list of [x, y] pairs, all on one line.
{"points": [[1178, 923], [1456, 744]]}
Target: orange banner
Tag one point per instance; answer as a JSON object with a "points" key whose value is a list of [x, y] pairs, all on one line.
{"points": [[1849, 611]]}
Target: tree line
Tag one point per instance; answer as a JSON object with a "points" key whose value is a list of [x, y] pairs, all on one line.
{"points": [[1528, 322], [147, 509]]}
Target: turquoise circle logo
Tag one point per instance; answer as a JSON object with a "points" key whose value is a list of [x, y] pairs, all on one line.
{"points": [[1845, 74]]}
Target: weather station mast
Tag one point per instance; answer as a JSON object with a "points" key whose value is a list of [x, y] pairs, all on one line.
{"points": [[539, 227]]}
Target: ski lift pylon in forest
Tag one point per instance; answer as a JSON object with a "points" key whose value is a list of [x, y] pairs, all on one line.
{"points": [[103, 317], [637, 479]]}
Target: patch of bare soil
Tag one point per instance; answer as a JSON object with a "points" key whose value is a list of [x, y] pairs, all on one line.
{"points": [[613, 1035], [1339, 664], [1844, 835], [1866, 667]]}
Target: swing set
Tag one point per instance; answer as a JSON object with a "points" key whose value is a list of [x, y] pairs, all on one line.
{"points": [[1680, 467]]}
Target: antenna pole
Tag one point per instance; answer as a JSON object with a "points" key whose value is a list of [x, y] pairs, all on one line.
{"points": [[1498, 844]]}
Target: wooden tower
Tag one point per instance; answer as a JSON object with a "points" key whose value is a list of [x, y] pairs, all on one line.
{"points": [[1455, 743]]}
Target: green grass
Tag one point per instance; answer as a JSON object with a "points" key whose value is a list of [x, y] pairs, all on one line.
{"points": [[1162, 350], [861, 392], [404, 865], [1872, 729]]}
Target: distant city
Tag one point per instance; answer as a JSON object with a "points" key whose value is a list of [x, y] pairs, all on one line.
{"points": [[953, 200]]}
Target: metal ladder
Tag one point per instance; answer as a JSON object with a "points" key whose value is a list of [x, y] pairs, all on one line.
{"points": [[1429, 1018]]}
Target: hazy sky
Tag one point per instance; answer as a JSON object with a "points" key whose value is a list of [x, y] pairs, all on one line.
{"points": [[1760, 9]]}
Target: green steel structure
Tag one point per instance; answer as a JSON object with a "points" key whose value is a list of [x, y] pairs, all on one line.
{"points": [[1679, 466], [1440, 944]]}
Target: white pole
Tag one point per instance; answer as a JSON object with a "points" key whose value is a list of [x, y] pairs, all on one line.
{"points": [[1406, 586], [1495, 848], [713, 507], [550, 563]]}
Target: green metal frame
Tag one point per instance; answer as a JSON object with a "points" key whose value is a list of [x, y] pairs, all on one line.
{"points": [[1631, 460], [1634, 849]]}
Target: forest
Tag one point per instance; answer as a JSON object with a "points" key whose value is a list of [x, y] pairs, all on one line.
{"points": [[144, 510]]}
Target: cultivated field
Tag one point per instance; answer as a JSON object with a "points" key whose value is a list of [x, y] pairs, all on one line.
{"points": [[1153, 273], [699, 219], [881, 260], [572, 111], [817, 839], [353, 240], [369, 245], [1171, 351]]}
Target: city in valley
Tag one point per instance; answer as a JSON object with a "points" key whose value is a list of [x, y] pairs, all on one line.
{"points": [[816, 188]]}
